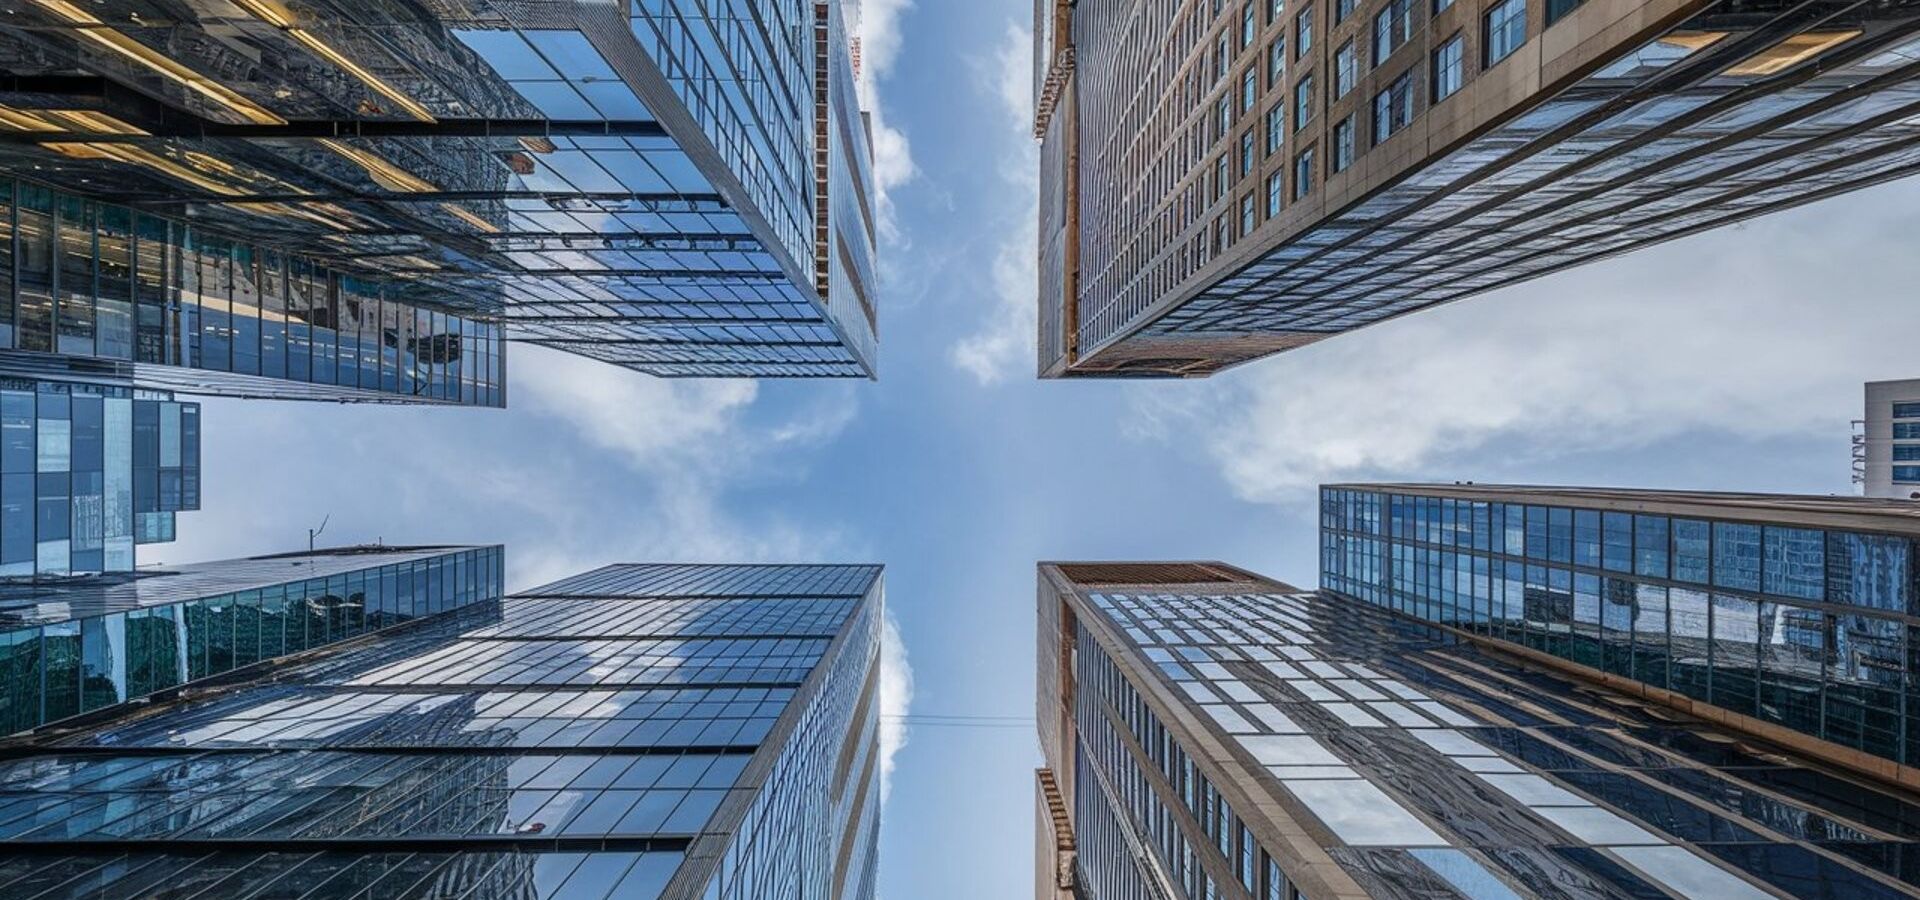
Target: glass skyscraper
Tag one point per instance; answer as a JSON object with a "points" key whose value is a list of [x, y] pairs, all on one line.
{"points": [[1221, 181], [680, 188], [78, 646], [1789, 617], [637, 731], [88, 471], [1210, 733]]}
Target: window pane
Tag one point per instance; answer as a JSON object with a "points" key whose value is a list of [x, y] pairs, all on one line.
{"points": [[1736, 556], [1795, 562], [1691, 539]]}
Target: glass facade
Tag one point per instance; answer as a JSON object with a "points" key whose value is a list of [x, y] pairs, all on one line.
{"points": [[1234, 738], [668, 186], [1810, 628], [743, 767], [87, 471], [77, 647], [1657, 131], [169, 305]]}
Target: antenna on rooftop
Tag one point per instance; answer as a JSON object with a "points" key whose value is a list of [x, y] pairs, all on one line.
{"points": [[315, 532]]}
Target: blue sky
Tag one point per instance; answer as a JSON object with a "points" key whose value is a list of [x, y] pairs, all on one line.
{"points": [[1731, 360]]}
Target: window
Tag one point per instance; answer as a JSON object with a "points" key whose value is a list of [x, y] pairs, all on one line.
{"points": [[1393, 108], [1302, 102], [1276, 127], [1868, 570], [1276, 61], [1506, 29], [1275, 9], [1447, 66], [1690, 542], [1556, 9], [1303, 33], [1906, 410], [1795, 562], [1249, 89], [1736, 556], [1246, 215], [1303, 173], [1392, 28], [1440, 6], [1246, 153], [1342, 144], [1906, 474], [1344, 70], [1650, 546], [1275, 189], [1342, 9], [1226, 117], [1906, 430], [1247, 26], [1906, 452]]}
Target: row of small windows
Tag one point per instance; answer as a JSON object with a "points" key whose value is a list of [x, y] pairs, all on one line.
{"points": [[1906, 452], [1107, 703], [1843, 567], [1163, 206]]}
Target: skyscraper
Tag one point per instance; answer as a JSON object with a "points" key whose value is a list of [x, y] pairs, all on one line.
{"points": [[76, 646], [660, 186], [1786, 617], [1226, 180], [1210, 733], [1888, 464], [635, 731]]}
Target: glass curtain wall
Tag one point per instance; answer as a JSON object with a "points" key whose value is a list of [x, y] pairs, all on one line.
{"points": [[57, 670], [94, 280], [1812, 629], [88, 471]]}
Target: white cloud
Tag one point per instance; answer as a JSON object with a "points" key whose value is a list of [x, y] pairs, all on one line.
{"points": [[590, 464], [1003, 346], [896, 698], [1761, 330], [653, 422], [877, 22]]}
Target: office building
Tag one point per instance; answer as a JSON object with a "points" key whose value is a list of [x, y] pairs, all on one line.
{"points": [[89, 471], [676, 190], [1888, 460], [1787, 617], [1210, 733], [636, 731], [80, 645], [1226, 180]]}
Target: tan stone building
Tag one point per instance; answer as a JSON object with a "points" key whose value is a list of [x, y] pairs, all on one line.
{"points": [[1225, 180]]}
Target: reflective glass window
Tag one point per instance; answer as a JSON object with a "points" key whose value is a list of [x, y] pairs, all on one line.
{"points": [[1506, 30], [1794, 562], [1692, 540], [1586, 537], [1736, 555], [1872, 570]]}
